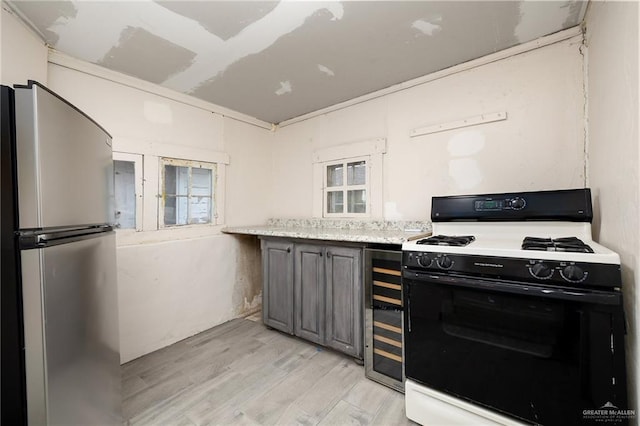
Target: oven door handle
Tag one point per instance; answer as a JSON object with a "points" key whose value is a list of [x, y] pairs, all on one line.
{"points": [[512, 287]]}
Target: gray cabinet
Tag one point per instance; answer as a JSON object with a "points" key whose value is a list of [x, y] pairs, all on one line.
{"points": [[277, 293], [309, 289], [319, 287], [344, 300]]}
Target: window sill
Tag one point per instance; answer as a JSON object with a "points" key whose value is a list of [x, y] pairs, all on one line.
{"points": [[130, 237]]}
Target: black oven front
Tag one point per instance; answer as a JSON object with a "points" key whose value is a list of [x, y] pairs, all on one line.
{"points": [[541, 354]]}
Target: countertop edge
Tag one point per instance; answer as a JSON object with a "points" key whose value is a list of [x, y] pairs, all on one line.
{"points": [[359, 236]]}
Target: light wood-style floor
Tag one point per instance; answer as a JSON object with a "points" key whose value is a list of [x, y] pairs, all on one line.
{"points": [[241, 373]]}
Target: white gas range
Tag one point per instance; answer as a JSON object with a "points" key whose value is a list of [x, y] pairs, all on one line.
{"points": [[512, 312], [552, 241]]}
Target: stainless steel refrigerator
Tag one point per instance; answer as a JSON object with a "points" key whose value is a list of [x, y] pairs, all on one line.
{"points": [[60, 344]]}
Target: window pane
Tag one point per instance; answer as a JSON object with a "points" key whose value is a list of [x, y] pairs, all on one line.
{"points": [[169, 210], [175, 210], [201, 182], [357, 173], [335, 202], [176, 180], [357, 201], [182, 210], [125, 192], [200, 210], [188, 191], [334, 175]]}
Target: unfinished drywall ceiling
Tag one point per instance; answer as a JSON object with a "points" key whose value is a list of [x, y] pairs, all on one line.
{"points": [[279, 60]]}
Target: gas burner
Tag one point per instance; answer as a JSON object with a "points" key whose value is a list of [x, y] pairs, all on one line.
{"points": [[567, 244], [448, 240]]}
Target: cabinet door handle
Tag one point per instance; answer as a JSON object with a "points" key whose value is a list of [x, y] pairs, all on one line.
{"points": [[328, 254], [288, 249]]}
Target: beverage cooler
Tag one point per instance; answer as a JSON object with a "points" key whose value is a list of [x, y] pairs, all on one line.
{"points": [[383, 317]]}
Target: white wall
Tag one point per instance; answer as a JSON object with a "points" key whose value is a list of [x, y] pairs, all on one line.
{"points": [[613, 151], [174, 283], [540, 145], [23, 56]]}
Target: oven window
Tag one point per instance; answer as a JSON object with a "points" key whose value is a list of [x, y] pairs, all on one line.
{"points": [[537, 359], [504, 321]]}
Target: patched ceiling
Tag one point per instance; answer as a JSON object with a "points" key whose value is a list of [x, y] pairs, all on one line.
{"points": [[279, 60]]}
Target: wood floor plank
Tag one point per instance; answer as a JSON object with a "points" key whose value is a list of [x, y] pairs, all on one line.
{"points": [[150, 396], [179, 404], [169, 354], [182, 421], [231, 417], [233, 394], [241, 373], [324, 394], [269, 406], [266, 357], [229, 328], [132, 385], [296, 359], [346, 414], [367, 395], [209, 365], [154, 359], [391, 412], [294, 415]]}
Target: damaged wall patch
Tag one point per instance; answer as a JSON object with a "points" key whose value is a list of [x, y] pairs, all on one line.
{"points": [[326, 70], [285, 87]]}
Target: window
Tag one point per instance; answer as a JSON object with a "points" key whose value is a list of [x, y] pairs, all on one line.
{"points": [[188, 195], [346, 188], [347, 179], [127, 178]]}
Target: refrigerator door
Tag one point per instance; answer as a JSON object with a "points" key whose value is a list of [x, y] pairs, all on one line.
{"points": [[64, 161], [71, 332]]}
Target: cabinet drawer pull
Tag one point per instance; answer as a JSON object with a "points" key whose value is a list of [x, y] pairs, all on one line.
{"points": [[288, 249]]}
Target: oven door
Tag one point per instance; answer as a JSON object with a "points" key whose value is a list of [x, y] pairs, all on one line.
{"points": [[540, 354]]}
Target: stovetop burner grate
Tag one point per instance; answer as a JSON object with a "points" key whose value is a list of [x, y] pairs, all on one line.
{"points": [[566, 244], [448, 240]]}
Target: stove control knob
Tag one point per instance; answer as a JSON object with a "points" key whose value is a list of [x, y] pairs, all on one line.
{"points": [[573, 273], [444, 262], [518, 203], [541, 271], [424, 260]]}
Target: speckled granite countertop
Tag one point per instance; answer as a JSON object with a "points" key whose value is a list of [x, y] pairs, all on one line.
{"points": [[362, 231]]}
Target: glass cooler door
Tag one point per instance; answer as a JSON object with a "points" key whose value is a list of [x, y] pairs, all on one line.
{"points": [[383, 317]]}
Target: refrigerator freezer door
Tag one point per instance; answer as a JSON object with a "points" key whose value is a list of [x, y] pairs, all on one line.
{"points": [[71, 333], [65, 167]]}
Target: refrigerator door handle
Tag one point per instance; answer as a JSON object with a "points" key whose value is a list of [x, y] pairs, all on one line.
{"points": [[45, 238]]}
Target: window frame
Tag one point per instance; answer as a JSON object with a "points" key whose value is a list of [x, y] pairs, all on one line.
{"points": [[138, 174], [371, 149], [178, 162], [345, 187]]}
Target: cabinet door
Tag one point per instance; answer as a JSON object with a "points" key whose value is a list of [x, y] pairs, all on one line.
{"points": [[277, 289], [309, 321], [344, 300]]}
